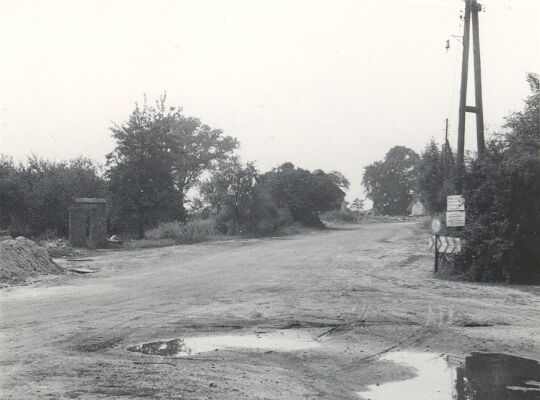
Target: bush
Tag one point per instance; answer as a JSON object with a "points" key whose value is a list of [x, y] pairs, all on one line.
{"points": [[503, 218], [341, 216], [304, 193], [257, 217], [190, 232], [502, 190], [243, 206]]}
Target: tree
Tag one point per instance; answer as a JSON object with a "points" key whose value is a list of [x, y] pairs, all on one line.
{"points": [[357, 205], [240, 202], [13, 209], [435, 176], [326, 192], [502, 192], [159, 155], [140, 169], [339, 179], [195, 148], [390, 183], [303, 193], [53, 188], [35, 198]]}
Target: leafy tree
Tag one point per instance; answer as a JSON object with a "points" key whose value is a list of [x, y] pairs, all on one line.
{"points": [[195, 148], [431, 178], [139, 170], [35, 198], [435, 176], [326, 192], [390, 183], [303, 193], [13, 192], [357, 205], [160, 154], [502, 192], [339, 179], [241, 204]]}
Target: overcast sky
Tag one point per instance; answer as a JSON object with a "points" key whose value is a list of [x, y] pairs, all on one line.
{"points": [[323, 84]]}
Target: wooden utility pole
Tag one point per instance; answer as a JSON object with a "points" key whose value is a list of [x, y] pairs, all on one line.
{"points": [[471, 9], [478, 80], [445, 153], [463, 97]]}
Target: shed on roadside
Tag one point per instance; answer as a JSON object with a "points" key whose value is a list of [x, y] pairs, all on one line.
{"points": [[88, 222]]}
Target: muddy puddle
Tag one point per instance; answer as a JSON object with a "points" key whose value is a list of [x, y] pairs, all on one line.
{"points": [[161, 348], [483, 376], [282, 340]]}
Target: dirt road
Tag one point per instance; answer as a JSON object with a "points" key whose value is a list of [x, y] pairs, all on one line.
{"points": [[321, 308]]}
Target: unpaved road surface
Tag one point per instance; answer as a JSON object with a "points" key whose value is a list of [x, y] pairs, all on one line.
{"points": [[357, 292]]}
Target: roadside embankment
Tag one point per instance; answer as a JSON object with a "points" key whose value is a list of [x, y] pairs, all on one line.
{"points": [[22, 258]]}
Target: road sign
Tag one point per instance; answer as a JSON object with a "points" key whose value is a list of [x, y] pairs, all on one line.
{"points": [[455, 218], [455, 203], [445, 244], [436, 225]]}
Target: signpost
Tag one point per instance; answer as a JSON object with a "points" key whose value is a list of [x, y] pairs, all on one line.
{"points": [[455, 203], [436, 225], [436, 228], [455, 211], [445, 244], [455, 218]]}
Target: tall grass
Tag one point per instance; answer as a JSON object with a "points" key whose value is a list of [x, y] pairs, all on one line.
{"points": [[341, 216], [193, 231]]}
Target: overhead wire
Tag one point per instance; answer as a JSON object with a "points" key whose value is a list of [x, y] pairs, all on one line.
{"points": [[378, 3]]}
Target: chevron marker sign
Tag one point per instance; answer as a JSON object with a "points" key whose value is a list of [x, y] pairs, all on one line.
{"points": [[446, 244], [432, 242]]}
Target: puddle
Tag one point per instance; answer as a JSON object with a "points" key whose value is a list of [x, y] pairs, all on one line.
{"points": [[434, 380], [281, 340], [84, 270], [161, 348], [483, 376], [497, 376]]}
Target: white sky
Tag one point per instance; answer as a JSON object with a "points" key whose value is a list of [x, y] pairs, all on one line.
{"points": [[323, 84]]}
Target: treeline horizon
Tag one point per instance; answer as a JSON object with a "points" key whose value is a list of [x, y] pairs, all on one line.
{"points": [[159, 155]]}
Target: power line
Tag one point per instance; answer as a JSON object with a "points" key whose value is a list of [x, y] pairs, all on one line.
{"points": [[410, 5]]}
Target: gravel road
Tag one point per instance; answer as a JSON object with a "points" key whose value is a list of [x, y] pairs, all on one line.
{"points": [[326, 305]]}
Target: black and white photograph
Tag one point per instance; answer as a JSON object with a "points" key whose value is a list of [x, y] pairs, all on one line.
{"points": [[270, 199]]}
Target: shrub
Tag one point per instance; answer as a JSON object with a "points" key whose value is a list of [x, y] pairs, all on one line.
{"points": [[502, 190], [304, 193], [190, 232], [242, 206], [341, 216]]}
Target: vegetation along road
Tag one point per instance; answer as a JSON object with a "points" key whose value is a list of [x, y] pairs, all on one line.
{"points": [[294, 317]]}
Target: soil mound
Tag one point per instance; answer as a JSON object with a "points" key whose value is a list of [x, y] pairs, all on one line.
{"points": [[22, 258]]}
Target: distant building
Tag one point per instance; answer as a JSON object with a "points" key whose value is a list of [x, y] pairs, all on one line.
{"points": [[88, 222], [417, 207]]}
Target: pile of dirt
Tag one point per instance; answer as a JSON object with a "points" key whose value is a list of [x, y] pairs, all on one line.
{"points": [[61, 248], [22, 258]]}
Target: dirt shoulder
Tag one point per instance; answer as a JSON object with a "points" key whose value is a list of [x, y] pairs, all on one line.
{"points": [[357, 292]]}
